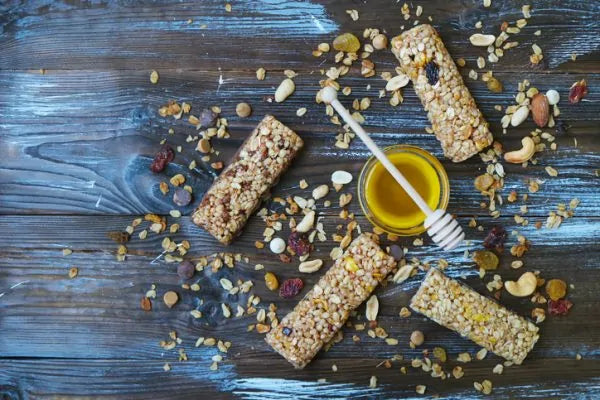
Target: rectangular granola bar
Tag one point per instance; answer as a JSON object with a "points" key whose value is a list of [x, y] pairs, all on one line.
{"points": [[240, 188], [458, 307], [456, 121], [324, 310]]}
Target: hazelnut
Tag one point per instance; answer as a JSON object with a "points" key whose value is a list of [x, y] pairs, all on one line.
{"points": [[380, 42], [243, 110]]}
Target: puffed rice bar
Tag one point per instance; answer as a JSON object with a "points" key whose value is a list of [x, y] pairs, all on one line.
{"points": [[323, 311], [480, 319], [456, 121], [240, 188]]}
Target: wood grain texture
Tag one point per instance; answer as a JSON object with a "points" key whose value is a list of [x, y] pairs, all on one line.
{"points": [[76, 142], [69, 150], [135, 35]]}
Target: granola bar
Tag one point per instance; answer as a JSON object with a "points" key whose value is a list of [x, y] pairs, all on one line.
{"points": [[457, 122], [480, 319], [238, 191], [323, 311]]}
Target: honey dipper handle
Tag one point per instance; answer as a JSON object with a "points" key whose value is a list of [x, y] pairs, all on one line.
{"points": [[329, 95]]}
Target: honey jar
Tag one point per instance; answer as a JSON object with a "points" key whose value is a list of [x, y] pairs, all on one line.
{"points": [[384, 201]]}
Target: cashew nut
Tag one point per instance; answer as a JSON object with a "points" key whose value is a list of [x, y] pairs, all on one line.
{"points": [[310, 266], [524, 286], [307, 222], [522, 155]]}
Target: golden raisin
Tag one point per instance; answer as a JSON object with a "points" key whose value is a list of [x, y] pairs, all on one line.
{"points": [[556, 289], [494, 85], [271, 281], [346, 42], [483, 182], [486, 260], [440, 354]]}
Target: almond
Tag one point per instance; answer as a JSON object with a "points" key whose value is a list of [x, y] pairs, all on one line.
{"points": [[540, 109]]}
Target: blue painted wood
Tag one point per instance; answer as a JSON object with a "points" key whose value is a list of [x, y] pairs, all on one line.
{"points": [[77, 139]]}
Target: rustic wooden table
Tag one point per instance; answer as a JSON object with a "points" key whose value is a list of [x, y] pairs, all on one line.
{"points": [[79, 127]]}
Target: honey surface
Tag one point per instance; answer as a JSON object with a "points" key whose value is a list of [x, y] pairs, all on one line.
{"points": [[389, 202]]}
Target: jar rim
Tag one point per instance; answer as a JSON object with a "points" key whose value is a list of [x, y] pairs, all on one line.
{"points": [[431, 160]]}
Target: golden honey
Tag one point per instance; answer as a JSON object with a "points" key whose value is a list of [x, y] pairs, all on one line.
{"points": [[385, 202]]}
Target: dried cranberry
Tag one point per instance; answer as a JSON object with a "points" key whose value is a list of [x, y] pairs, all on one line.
{"points": [[559, 307], [182, 197], [433, 72], [162, 158], [578, 91], [208, 118], [186, 270], [299, 243], [291, 287], [495, 238], [286, 331]]}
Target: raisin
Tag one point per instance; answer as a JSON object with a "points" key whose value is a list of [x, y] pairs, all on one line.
{"points": [[291, 287], [186, 270], [486, 260], [299, 243], [495, 238], [286, 331], [396, 252], [559, 307], [346, 42], [556, 289], [433, 72], [182, 197], [271, 281], [561, 127], [440, 354], [162, 158], [208, 118]]}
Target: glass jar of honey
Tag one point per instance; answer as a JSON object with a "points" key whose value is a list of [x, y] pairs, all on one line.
{"points": [[387, 205]]}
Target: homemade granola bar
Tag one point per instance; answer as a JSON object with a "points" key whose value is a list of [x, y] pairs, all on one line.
{"points": [[458, 307], [324, 310], [457, 122], [238, 191]]}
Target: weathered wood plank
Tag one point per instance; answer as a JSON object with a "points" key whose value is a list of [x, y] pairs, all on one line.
{"points": [[129, 379], [126, 35], [79, 139], [51, 315], [51, 164]]}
